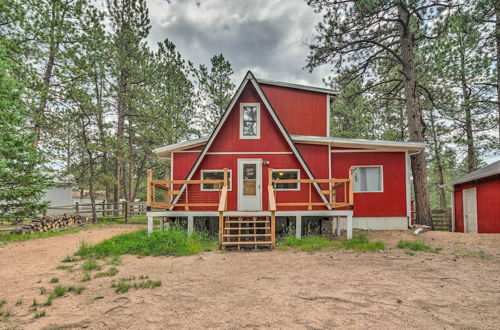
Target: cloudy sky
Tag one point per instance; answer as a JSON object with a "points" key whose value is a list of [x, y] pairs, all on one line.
{"points": [[266, 36]]}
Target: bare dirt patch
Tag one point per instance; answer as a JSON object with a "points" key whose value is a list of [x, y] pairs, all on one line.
{"points": [[456, 288]]}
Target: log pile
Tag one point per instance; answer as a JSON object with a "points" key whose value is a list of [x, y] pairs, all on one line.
{"points": [[52, 223]]}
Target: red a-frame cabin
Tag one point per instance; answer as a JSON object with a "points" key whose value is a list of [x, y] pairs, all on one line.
{"points": [[271, 156]]}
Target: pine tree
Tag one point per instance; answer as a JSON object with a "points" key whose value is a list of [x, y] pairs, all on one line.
{"points": [[21, 181], [216, 89]]}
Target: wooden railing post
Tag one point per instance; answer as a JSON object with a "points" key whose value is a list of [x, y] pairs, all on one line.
{"points": [[77, 208], [125, 210], [273, 229], [148, 190], [309, 207], [226, 178]]}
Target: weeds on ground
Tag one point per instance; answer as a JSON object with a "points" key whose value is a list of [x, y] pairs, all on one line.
{"points": [[410, 252], [6, 314], [40, 314], [479, 254], [91, 264], [34, 305], [110, 272], [124, 286], [65, 267], [19, 302], [43, 291], [114, 260], [417, 246], [86, 277], [2, 302], [172, 242], [7, 237], [314, 243], [54, 280], [59, 291]]}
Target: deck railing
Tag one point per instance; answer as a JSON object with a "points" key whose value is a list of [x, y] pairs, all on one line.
{"points": [[331, 194], [167, 188]]}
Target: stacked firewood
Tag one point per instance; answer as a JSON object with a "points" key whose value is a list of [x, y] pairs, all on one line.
{"points": [[52, 223]]}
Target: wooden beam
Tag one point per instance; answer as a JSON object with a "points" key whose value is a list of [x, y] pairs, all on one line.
{"points": [[148, 185], [272, 198]]}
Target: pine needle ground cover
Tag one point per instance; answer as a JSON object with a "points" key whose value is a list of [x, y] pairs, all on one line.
{"points": [[171, 242], [315, 243]]}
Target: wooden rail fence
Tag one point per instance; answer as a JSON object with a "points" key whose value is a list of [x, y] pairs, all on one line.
{"points": [[124, 210]]}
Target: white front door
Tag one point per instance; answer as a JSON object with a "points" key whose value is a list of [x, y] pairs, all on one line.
{"points": [[470, 210], [249, 184]]}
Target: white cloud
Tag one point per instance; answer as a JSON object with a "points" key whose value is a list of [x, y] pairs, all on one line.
{"points": [[265, 36]]}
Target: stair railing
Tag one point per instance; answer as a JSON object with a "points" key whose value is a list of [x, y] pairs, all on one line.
{"points": [[223, 205]]}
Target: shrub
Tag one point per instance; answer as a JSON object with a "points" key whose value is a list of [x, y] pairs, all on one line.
{"points": [[54, 280], [40, 314], [60, 291], [173, 242]]}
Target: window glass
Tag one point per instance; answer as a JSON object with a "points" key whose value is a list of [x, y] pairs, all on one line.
{"points": [[286, 175], [367, 179], [249, 179], [215, 175], [249, 120]]}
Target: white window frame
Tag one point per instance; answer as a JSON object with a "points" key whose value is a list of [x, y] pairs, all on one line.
{"points": [[381, 179], [250, 137], [230, 178], [288, 170]]}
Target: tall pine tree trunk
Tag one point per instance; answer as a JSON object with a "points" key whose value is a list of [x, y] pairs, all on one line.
{"points": [[497, 39], [471, 150], [415, 121], [119, 137], [439, 162]]}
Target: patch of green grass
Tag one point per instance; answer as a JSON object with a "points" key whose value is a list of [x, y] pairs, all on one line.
{"points": [[410, 252], [122, 287], [49, 300], [86, 277], [40, 314], [54, 280], [65, 267], [114, 260], [110, 272], [417, 246], [2, 302], [7, 237], [91, 264], [70, 259], [314, 243], [76, 289], [59, 291], [479, 254], [172, 242]]}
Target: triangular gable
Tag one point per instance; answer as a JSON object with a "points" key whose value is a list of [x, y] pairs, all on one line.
{"points": [[251, 78]]}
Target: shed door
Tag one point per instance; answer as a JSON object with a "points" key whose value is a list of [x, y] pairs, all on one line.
{"points": [[249, 184], [470, 210]]}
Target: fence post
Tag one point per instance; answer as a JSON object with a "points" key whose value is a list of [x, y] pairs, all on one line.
{"points": [[125, 210], [77, 208]]}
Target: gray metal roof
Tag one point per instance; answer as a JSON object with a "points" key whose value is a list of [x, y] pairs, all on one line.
{"points": [[359, 143], [297, 86], [489, 170]]}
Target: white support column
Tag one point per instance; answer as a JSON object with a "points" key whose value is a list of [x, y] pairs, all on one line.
{"points": [[190, 224], [338, 225], [349, 226], [298, 226], [150, 224], [161, 223]]}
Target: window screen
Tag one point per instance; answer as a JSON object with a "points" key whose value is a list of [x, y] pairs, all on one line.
{"points": [[250, 121], [368, 179]]}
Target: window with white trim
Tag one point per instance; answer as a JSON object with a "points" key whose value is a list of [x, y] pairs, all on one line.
{"points": [[286, 175], [214, 175], [249, 121], [368, 179]]}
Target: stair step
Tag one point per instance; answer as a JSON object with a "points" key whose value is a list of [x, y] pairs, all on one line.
{"points": [[246, 235], [248, 243], [247, 228]]}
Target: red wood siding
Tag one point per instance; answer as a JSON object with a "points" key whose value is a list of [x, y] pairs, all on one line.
{"points": [[228, 141], [316, 157], [488, 205], [389, 203], [301, 112]]}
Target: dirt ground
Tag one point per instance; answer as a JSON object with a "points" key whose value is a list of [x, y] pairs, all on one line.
{"points": [[457, 288]]}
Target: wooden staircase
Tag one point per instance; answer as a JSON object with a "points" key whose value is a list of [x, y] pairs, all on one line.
{"points": [[249, 231]]}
